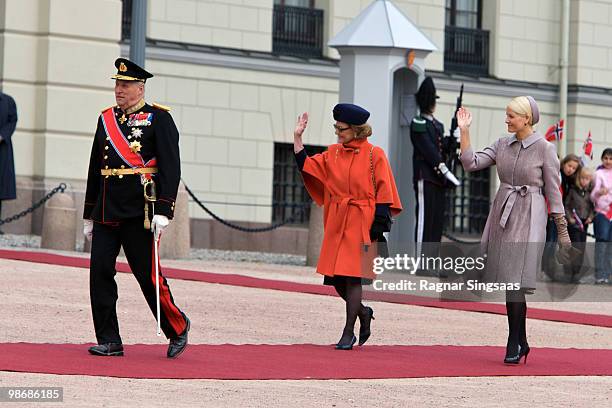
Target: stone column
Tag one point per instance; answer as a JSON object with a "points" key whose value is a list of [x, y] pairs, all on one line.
{"points": [[175, 241], [11, 207], [315, 235], [59, 223]]}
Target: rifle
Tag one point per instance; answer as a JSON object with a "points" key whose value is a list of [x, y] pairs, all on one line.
{"points": [[452, 145]]}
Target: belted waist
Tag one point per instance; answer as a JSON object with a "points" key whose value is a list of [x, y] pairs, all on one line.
{"points": [[362, 204], [350, 201], [123, 172], [510, 198]]}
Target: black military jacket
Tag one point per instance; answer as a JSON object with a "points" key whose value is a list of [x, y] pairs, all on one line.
{"points": [[110, 199], [427, 138]]}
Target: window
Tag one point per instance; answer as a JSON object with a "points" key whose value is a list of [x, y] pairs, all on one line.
{"points": [[126, 19], [464, 13], [466, 45], [297, 29], [288, 191], [468, 205]]}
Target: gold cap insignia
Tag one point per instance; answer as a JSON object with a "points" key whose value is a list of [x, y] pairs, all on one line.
{"points": [[122, 67]]}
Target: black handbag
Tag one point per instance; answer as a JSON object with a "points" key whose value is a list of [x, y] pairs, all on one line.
{"points": [[383, 222]]}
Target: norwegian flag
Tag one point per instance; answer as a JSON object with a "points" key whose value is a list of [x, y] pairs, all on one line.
{"points": [[555, 132], [587, 147]]}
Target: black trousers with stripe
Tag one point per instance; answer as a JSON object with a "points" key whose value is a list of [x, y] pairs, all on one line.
{"points": [[429, 217], [137, 244]]}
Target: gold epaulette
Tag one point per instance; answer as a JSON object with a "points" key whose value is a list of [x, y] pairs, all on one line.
{"points": [[162, 107], [107, 108]]}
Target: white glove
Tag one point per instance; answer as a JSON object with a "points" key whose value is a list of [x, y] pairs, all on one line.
{"points": [[88, 229], [447, 173], [158, 224]]}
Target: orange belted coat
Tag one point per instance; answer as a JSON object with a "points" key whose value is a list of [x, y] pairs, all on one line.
{"points": [[342, 179]]}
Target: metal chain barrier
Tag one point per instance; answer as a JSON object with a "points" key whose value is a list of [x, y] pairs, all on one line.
{"points": [[297, 214], [238, 227], [60, 188], [458, 240], [587, 233]]}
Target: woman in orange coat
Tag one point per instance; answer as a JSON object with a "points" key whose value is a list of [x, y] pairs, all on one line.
{"points": [[354, 183]]}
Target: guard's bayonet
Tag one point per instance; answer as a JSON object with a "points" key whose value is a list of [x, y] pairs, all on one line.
{"points": [[453, 143]]}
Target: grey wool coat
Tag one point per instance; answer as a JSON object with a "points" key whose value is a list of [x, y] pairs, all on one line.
{"points": [[515, 231]]}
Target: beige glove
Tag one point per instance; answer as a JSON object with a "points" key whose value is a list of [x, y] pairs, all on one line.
{"points": [[567, 253], [561, 223]]}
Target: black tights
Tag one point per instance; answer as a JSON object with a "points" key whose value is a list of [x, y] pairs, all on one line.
{"points": [[516, 309], [350, 290]]}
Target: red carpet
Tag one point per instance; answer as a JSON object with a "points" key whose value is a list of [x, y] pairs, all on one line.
{"points": [[247, 281], [302, 361]]}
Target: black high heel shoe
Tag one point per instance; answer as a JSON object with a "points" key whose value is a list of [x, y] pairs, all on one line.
{"points": [[364, 325], [346, 345], [523, 350]]}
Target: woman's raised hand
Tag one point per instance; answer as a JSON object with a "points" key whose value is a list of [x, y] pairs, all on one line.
{"points": [[300, 125], [464, 118]]}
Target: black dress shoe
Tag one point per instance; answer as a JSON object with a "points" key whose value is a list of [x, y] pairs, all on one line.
{"points": [[107, 350], [346, 346], [347, 341], [364, 325], [523, 350], [178, 345]]}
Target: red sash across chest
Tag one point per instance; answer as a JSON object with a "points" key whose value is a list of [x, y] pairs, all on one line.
{"points": [[120, 143]]}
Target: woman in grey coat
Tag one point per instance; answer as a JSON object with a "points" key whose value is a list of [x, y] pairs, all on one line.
{"points": [[515, 232]]}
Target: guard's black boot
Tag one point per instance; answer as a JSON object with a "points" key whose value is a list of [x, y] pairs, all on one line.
{"points": [[178, 345], [107, 350]]}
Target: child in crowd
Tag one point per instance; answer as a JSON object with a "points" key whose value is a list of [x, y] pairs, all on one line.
{"points": [[580, 213], [602, 200], [568, 167]]}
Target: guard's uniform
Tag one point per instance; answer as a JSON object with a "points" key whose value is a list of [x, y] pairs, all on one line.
{"points": [[427, 136], [130, 149]]}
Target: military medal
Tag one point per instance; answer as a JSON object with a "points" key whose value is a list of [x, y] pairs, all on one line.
{"points": [[122, 119], [135, 146], [136, 133], [140, 119]]}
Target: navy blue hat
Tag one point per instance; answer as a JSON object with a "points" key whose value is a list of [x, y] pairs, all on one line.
{"points": [[351, 114], [129, 71]]}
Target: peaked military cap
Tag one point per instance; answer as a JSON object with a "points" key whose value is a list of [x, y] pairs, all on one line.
{"points": [[129, 71], [351, 114]]}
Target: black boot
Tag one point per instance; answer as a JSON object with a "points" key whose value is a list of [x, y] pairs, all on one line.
{"points": [[107, 350], [179, 344]]}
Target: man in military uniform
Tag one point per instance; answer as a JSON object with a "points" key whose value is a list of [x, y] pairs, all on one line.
{"points": [[431, 176], [134, 173]]}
